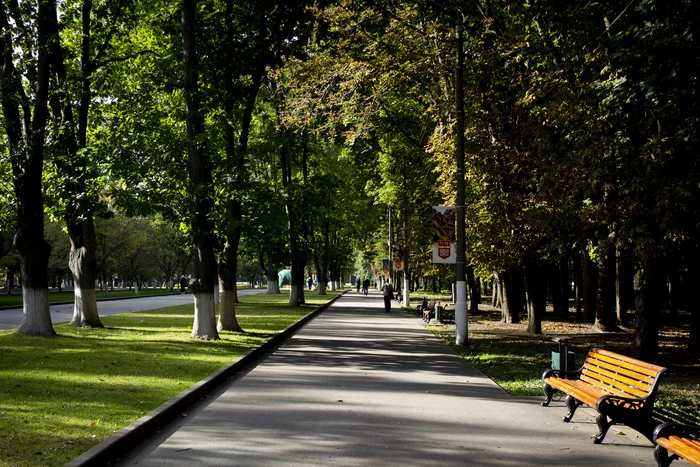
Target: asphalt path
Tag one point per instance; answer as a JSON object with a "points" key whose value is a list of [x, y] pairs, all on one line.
{"points": [[10, 319], [360, 387]]}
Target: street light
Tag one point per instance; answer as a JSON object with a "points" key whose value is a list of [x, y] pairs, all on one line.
{"points": [[460, 276], [461, 283]]}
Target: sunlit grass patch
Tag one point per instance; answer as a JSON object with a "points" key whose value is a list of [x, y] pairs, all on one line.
{"points": [[61, 396]]}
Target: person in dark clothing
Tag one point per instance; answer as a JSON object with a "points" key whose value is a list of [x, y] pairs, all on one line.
{"points": [[365, 286], [183, 284], [358, 285], [388, 292]]}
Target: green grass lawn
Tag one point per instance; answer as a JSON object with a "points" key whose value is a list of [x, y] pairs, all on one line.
{"points": [[15, 299], [61, 396]]}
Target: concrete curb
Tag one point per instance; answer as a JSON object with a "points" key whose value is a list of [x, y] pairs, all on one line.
{"points": [[123, 440]]}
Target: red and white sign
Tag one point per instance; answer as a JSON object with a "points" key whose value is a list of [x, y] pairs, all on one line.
{"points": [[443, 220], [444, 249]]}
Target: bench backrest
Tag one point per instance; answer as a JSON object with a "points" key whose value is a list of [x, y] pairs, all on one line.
{"points": [[621, 375]]}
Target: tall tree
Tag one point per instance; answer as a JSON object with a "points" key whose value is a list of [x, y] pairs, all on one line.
{"points": [[201, 189], [25, 112]]}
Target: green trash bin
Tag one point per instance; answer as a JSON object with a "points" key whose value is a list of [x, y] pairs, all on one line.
{"points": [[557, 361], [438, 312]]}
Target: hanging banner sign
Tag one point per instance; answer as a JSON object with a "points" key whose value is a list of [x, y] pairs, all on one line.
{"points": [[386, 266], [443, 219], [397, 257]]}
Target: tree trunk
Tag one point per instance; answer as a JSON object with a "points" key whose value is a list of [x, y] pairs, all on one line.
{"points": [[82, 264], [646, 330], [228, 260], [535, 293], [513, 295], [273, 286], [199, 167], [694, 336], [674, 292], [565, 287], [473, 292], [605, 316], [624, 285], [590, 287], [494, 291], [578, 286]]}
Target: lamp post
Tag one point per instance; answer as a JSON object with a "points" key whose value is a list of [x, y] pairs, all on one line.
{"points": [[461, 283], [460, 276]]}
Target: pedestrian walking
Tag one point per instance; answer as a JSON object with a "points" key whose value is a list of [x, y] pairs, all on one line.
{"points": [[365, 286], [359, 283], [388, 292], [183, 285]]}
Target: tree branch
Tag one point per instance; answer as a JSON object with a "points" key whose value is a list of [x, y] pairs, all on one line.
{"points": [[123, 59], [110, 34]]}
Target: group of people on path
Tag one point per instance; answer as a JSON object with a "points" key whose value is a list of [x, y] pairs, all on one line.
{"points": [[387, 292]]}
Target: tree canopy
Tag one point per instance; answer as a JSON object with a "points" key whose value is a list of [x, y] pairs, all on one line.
{"points": [[293, 133]]}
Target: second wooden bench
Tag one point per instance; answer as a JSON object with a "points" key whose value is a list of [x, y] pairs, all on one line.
{"points": [[682, 441], [622, 389]]}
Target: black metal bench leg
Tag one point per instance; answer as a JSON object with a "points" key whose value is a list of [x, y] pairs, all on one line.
{"points": [[662, 457], [603, 426], [548, 393], [572, 404]]}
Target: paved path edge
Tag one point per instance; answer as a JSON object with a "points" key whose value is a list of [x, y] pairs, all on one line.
{"points": [[125, 439]]}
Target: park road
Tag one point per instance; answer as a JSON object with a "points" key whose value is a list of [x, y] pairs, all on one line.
{"points": [[360, 387], [10, 318]]}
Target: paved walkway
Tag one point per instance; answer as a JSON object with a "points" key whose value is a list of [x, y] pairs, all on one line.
{"points": [[361, 387]]}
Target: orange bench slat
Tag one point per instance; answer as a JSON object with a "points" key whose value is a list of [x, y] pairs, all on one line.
{"points": [[688, 449]]}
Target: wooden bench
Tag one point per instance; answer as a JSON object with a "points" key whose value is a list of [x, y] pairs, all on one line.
{"points": [[438, 312], [425, 305], [620, 388], [683, 441], [445, 314], [429, 312]]}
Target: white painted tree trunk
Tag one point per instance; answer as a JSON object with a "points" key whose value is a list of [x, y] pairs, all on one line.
{"points": [[227, 311], [406, 291], [85, 308], [273, 287], [295, 295], [333, 287], [204, 326], [37, 315], [81, 262]]}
